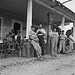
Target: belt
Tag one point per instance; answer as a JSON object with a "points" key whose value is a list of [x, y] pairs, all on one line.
{"points": [[40, 34], [62, 39]]}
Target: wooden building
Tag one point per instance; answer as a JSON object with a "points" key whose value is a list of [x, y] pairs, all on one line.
{"points": [[22, 14]]}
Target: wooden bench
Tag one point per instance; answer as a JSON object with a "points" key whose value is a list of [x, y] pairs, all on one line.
{"points": [[2, 51], [5, 48]]}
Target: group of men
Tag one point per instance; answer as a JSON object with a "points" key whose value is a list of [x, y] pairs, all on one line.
{"points": [[37, 40], [12, 37], [54, 42], [13, 41]]}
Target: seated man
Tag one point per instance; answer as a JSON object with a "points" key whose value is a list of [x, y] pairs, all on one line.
{"points": [[35, 42], [10, 41]]}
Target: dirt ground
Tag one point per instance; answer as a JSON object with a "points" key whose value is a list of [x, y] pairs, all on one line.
{"points": [[62, 65]]}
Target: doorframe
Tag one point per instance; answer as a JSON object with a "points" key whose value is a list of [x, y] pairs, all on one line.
{"points": [[17, 21], [1, 27]]}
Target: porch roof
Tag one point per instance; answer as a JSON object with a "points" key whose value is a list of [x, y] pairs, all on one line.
{"points": [[40, 10]]}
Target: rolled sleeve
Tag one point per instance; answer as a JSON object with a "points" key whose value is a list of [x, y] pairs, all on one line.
{"points": [[16, 37], [43, 31]]}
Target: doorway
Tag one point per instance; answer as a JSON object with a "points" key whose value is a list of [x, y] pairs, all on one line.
{"points": [[17, 27], [1, 27]]}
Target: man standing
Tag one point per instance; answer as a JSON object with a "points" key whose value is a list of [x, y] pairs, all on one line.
{"points": [[41, 33], [35, 42], [13, 35], [62, 42], [71, 40], [54, 41], [18, 39], [71, 43]]}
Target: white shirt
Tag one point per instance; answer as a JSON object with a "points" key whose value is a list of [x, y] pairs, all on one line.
{"points": [[54, 35], [63, 37], [16, 37], [41, 30], [50, 33], [71, 37]]}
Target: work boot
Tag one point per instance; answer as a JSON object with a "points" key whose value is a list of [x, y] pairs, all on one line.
{"points": [[40, 58], [53, 55], [59, 51]]}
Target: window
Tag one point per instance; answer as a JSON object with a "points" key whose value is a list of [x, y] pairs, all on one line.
{"points": [[0, 28]]}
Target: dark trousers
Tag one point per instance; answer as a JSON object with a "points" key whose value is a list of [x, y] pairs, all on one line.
{"points": [[41, 42]]}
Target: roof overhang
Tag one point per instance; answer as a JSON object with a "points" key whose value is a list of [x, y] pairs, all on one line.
{"points": [[40, 10]]}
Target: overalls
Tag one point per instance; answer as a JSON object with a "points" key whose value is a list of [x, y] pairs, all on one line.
{"points": [[35, 42], [54, 41], [71, 43], [62, 43]]}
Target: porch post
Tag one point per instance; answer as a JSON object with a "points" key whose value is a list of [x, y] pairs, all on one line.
{"points": [[74, 34], [62, 24], [74, 30], [29, 17], [28, 27], [49, 15]]}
